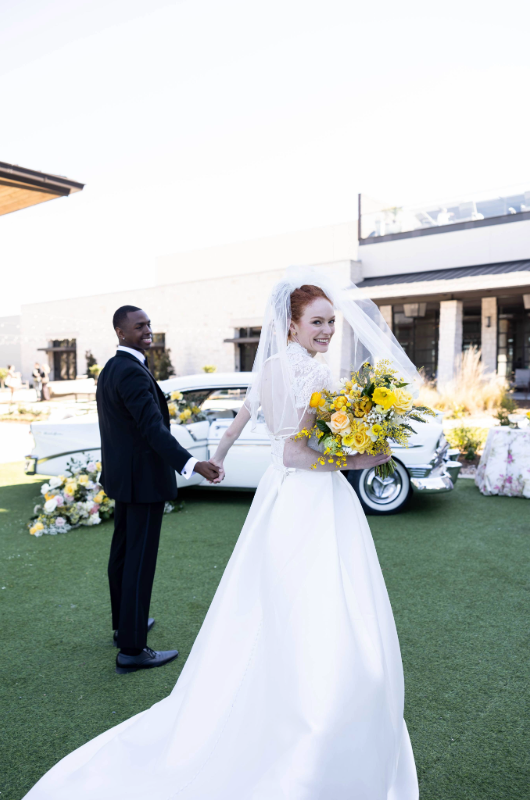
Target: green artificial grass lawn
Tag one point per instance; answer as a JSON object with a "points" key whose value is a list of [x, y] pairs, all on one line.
{"points": [[456, 568]]}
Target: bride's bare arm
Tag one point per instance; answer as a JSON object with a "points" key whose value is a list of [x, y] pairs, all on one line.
{"points": [[298, 455], [232, 433]]}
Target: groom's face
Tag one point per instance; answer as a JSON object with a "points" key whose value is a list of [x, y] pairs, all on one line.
{"points": [[136, 331]]}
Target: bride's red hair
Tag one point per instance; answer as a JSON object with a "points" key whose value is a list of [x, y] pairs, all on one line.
{"points": [[302, 297]]}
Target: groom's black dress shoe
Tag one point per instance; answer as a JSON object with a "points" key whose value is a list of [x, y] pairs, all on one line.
{"points": [[146, 660], [150, 623]]}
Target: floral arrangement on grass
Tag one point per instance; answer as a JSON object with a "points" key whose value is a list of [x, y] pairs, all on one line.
{"points": [[179, 410], [71, 500], [372, 409]]}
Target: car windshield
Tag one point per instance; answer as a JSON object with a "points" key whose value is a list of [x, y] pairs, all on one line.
{"points": [[217, 403]]}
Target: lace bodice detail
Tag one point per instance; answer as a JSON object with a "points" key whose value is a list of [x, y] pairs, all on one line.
{"points": [[307, 376]]}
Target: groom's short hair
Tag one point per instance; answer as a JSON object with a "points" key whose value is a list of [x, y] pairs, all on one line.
{"points": [[121, 315]]}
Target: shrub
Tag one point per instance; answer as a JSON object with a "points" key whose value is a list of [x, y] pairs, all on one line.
{"points": [[506, 407], [163, 368], [468, 440], [471, 391]]}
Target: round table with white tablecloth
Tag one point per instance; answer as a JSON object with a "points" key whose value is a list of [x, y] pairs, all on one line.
{"points": [[505, 463]]}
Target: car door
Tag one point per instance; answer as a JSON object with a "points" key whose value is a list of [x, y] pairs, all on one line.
{"points": [[247, 459], [193, 437]]}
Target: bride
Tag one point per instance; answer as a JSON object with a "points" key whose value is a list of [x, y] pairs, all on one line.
{"points": [[294, 687]]}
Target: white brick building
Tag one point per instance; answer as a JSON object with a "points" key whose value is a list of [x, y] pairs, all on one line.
{"points": [[445, 279]]}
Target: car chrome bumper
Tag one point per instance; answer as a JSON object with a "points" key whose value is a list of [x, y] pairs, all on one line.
{"points": [[434, 484]]}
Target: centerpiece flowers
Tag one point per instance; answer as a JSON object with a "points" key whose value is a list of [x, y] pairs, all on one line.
{"points": [[71, 500], [372, 409], [180, 411]]}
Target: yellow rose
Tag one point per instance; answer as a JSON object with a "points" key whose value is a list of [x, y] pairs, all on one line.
{"points": [[83, 480], [384, 397], [403, 401], [38, 526], [340, 423], [360, 440], [172, 408], [176, 395], [186, 414], [99, 497], [362, 407], [32, 531], [317, 401], [98, 466], [70, 488]]}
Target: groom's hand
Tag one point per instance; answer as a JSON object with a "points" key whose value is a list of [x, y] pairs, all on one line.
{"points": [[207, 470]]}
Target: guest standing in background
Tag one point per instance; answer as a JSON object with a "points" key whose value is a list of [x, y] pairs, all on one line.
{"points": [[45, 370], [37, 380], [12, 380]]}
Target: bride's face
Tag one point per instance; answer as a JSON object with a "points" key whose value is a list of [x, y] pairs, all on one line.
{"points": [[315, 327]]}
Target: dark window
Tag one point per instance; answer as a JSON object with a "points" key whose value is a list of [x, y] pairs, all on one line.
{"points": [[418, 336], [64, 359], [246, 349], [513, 336], [471, 327]]}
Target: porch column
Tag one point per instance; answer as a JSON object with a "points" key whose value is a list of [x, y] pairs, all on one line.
{"points": [[450, 339], [386, 312], [488, 335]]}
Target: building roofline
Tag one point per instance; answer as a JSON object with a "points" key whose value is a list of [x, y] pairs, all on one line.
{"points": [[455, 226], [31, 179]]}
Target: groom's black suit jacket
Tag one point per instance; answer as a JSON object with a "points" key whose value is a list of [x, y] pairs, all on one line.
{"points": [[139, 454]]}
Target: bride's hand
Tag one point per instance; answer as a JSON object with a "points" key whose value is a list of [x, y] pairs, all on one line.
{"points": [[364, 461], [217, 462]]}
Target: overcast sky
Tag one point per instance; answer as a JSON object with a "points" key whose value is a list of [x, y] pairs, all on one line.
{"points": [[201, 122]]}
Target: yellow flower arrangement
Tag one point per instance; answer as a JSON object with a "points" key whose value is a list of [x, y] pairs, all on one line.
{"points": [[176, 395], [369, 412], [98, 466], [316, 400], [83, 480], [384, 397]]}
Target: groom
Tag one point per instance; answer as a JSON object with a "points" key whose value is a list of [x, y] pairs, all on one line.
{"points": [[139, 457]]}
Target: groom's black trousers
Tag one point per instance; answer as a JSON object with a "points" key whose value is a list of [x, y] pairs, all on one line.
{"points": [[132, 566]]}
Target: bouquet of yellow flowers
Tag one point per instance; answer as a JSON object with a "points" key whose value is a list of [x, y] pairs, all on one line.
{"points": [[372, 409], [180, 411]]}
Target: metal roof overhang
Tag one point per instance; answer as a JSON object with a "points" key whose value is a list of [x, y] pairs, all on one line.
{"points": [[20, 187], [482, 280]]}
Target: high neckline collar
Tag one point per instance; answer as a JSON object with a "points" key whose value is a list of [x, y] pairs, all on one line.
{"points": [[298, 346]]}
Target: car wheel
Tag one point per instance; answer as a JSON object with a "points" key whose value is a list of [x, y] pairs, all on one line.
{"points": [[380, 496]]}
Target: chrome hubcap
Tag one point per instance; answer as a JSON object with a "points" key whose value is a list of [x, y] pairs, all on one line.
{"points": [[381, 491]]}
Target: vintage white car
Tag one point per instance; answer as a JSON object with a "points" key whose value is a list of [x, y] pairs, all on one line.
{"points": [[425, 466]]}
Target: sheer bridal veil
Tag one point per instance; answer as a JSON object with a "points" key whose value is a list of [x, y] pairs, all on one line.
{"points": [[371, 340]]}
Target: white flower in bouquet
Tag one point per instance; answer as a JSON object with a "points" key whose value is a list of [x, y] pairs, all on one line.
{"points": [[54, 483], [91, 466], [50, 506], [91, 485], [94, 519], [45, 488]]}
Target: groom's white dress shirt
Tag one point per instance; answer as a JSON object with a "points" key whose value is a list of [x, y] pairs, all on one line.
{"points": [[187, 472]]}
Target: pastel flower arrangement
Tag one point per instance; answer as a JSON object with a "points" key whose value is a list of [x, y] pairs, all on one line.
{"points": [[370, 410], [179, 410], [71, 500]]}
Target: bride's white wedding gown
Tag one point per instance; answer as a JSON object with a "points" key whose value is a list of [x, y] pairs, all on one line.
{"points": [[294, 687]]}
